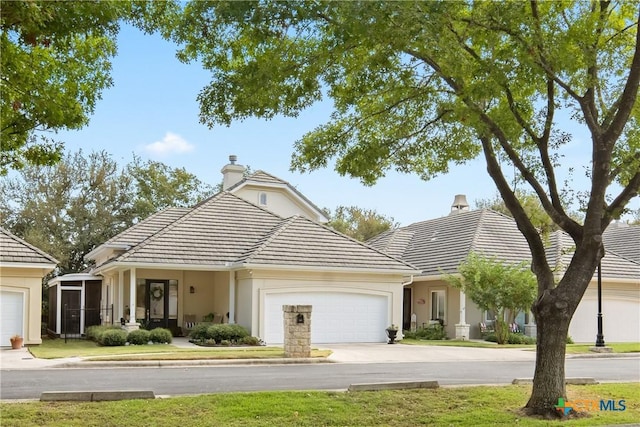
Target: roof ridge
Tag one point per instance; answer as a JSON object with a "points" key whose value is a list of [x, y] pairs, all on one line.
{"points": [[186, 216], [482, 213], [29, 245], [276, 231]]}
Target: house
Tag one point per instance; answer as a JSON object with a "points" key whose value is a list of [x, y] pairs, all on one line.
{"points": [[243, 254], [438, 246], [22, 268]]}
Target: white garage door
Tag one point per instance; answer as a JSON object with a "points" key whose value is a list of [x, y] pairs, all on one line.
{"points": [[620, 320], [335, 316], [11, 316]]}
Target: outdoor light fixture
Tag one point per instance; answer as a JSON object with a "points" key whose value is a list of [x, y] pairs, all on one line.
{"points": [[192, 289]]}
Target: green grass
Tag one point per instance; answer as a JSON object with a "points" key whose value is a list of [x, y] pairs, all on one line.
{"points": [[57, 348], [457, 343], [623, 347], [571, 348], [478, 406]]}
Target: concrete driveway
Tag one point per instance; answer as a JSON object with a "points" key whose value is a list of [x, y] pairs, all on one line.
{"points": [[398, 353]]}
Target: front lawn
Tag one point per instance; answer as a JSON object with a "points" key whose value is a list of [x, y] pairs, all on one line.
{"points": [[57, 348], [477, 406], [571, 348]]}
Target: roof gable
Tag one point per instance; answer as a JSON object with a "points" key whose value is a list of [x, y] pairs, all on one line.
{"points": [[16, 250], [262, 178]]}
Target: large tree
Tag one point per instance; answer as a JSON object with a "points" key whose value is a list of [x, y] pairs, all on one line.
{"points": [[69, 208], [418, 86], [55, 63], [360, 224]]}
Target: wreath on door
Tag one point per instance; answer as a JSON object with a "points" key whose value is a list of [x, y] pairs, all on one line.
{"points": [[157, 294]]}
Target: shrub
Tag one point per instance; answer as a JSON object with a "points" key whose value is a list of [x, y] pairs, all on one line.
{"points": [[409, 334], [226, 332], [94, 333], [113, 337], [569, 340], [515, 338], [491, 337], [138, 337], [199, 332], [249, 340], [161, 335], [432, 332], [226, 343]]}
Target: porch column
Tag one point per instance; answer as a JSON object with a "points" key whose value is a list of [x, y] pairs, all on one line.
{"points": [[232, 297], [462, 328], [132, 301], [530, 327], [120, 306]]}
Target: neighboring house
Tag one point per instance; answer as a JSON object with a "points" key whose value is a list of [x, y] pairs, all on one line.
{"points": [[237, 259], [22, 268], [438, 246]]}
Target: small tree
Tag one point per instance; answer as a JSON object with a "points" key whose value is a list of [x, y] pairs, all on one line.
{"points": [[498, 287]]}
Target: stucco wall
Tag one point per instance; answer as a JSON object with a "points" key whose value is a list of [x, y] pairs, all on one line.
{"points": [[265, 281], [278, 201], [27, 281]]}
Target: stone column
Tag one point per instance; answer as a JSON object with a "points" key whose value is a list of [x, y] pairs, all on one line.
{"points": [[297, 330]]}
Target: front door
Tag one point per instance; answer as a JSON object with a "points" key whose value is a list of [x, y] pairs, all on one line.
{"points": [[406, 309], [71, 312], [157, 304]]}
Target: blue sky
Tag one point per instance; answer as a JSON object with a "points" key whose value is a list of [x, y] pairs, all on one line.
{"points": [[152, 111]]}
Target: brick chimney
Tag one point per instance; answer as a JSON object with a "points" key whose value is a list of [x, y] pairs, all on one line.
{"points": [[232, 173]]}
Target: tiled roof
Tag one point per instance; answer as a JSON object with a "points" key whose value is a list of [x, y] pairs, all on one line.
{"points": [[439, 245], [149, 226], [623, 240], [15, 250], [261, 176], [227, 229], [300, 241], [613, 265]]}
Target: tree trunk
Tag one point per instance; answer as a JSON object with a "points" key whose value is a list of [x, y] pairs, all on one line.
{"points": [[552, 319]]}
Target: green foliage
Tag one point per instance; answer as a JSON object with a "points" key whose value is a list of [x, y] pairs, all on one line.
{"points": [[161, 336], [249, 340], [84, 200], [55, 62], [199, 332], [515, 338], [360, 224], [158, 186], [497, 287], [226, 332], [430, 333], [113, 337], [139, 337], [94, 333]]}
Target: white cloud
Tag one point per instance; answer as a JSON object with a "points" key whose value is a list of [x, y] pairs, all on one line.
{"points": [[171, 144]]}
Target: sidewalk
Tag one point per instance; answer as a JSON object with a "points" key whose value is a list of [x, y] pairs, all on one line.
{"points": [[342, 353]]}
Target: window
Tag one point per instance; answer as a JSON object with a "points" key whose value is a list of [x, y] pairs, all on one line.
{"points": [[262, 199], [438, 305]]}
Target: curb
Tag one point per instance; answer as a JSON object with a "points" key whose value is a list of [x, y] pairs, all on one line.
{"points": [[87, 364], [572, 381], [95, 396], [393, 386]]}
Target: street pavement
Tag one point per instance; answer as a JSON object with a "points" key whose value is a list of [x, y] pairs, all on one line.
{"points": [[342, 353]]}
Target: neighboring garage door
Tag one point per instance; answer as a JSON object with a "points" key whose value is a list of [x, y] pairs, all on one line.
{"points": [[11, 316], [620, 319], [335, 316]]}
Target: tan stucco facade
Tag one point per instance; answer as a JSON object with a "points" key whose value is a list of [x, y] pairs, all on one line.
{"points": [[26, 281]]}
